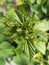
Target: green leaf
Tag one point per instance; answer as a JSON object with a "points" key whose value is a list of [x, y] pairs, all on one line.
{"points": [[44, 9], [31, 48], [42, 35], [41, 46], [23, 12], [20, 43], [12, 16], [7, 52], [43, 25], [21, 59], [2, 62], [2, 38], [5, 45], [38, 1], [31, 1], [36, 57], [41, 2], [1, 25], [48, 46], [1, 15], [35, 8]]}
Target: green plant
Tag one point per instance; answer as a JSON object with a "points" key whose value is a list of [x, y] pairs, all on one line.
{"points": [[25, 30]]}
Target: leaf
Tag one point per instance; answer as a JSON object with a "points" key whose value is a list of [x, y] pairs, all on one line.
{"points": [[20, 43], [48, 46], [5, 45], [23, 12], [1, 15], [41, 2], [41, 46], [2, 62], [43, 25], [2, 38], [7, 52], [31, 48], [31, 1], [21, 59], [38, 1], [12, 16], [36, 57], [35, 8], [42, 35], [44, 9], [1, 25]]}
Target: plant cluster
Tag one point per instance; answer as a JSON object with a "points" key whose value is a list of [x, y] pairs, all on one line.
{"points": [[24, 32]]}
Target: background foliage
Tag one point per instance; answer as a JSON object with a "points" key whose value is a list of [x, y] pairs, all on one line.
{"points": [[24, 31]]}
